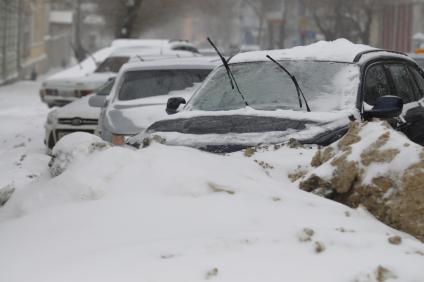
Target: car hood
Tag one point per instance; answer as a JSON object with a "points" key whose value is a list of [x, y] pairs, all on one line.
{"points": [[133, 117], [90, 81], [247, 128], [79, 109]]}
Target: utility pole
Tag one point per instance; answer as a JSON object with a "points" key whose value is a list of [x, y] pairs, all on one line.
{"points": [[283, 28], [3, 19], [80, 53], [19, 45]]}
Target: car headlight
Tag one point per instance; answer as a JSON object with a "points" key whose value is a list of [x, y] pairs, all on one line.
{"points": [[52, 117]]}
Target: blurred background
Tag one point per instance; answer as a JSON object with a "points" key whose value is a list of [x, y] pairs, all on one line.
{"points": [[39, 35]]}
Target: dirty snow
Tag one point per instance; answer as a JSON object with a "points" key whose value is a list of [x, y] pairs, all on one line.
{"points": [[178, 214], [377, 167]]}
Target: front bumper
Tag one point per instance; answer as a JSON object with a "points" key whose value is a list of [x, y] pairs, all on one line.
{"points": [[54, 132]]}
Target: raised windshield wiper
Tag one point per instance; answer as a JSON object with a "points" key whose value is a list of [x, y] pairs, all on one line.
{"points": [[293, 78], [229, 72]]}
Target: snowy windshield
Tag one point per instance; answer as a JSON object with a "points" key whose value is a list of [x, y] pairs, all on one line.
{"points": [[328, 86], [143, 84], [112, 64]]}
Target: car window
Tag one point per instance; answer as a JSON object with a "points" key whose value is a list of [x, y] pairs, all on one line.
{"points": [[404, 84], [376, 84], [185, 48], [142, 84], [112, 64], [419, 79], [106, 88]]}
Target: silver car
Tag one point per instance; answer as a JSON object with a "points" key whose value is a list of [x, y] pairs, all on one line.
{"points": [[141, 92]]}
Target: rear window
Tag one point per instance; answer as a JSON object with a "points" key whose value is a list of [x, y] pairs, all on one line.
{"points": [[112, 64], [148, 83]]}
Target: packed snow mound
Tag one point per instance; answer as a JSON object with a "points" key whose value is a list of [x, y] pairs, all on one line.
{"points": [[75, 145], [341, 50], [123, 214], [377, 167]]}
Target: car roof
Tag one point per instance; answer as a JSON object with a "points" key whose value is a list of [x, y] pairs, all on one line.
{"points": [[136, 51], [340, 50], [150, 43], [173, 63]]}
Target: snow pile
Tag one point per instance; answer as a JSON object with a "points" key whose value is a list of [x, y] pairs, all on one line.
{"points": [[128, 215], [377, 167], [75, 145]]}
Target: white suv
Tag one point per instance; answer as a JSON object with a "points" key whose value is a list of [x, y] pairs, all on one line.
{"points": [[141, 91]]}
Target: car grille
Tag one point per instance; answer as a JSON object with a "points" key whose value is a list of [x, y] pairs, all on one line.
{"points": [[61, 133], [78, 121]]}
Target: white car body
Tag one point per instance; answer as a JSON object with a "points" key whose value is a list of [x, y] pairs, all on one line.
{"points": [[127, 118], [76, 116], [81, 80]]}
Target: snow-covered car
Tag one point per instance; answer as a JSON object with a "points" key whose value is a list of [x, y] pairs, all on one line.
{"points": [[308, 93], [61, 90], [141, 91], [77, 116], [162, 44]]}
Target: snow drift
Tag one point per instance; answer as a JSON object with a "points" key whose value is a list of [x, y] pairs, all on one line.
{"points": [[177, 214], [377, 167]]}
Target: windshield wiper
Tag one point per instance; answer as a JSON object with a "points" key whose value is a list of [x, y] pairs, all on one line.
{"points": [[293, 78], [229, 72]]}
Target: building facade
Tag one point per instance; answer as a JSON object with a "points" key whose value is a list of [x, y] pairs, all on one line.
{"points": [[23, 35], [401, 25]]}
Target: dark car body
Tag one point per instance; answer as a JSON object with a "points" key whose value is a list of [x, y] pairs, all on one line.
{"points": [[382, 76]]}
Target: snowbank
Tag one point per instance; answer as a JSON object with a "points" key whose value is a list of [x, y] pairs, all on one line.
{"points": [[75, 145], [177, 214], [377, 167]]}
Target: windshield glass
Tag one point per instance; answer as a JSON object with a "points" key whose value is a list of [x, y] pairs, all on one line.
{"points": [[106, 88], [112, 64], [327, 86], [148, 83]]}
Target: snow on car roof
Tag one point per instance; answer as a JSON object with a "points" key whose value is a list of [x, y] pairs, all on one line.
{"points": [[138, 42], [133, 51], [197, 62], [340, 50], [149, 43]]}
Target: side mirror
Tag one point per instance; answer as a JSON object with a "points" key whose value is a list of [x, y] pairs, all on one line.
{"points": [[385, 107], [97, 101], [173, 104]]}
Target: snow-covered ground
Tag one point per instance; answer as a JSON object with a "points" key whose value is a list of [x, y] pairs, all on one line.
{"points": [[178, 214], [22, 152]]}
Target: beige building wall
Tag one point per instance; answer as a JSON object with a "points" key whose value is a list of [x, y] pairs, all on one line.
{"points": [[35, 26]]}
